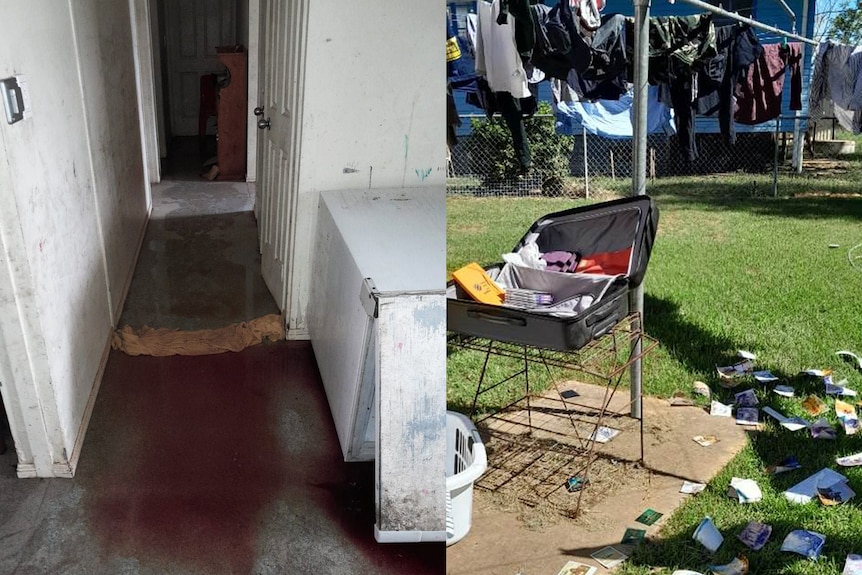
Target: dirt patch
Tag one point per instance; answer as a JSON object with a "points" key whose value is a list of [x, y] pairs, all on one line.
{"points": [[524, 518]]}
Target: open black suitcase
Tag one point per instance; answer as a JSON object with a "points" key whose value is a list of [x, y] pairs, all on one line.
{"points": [[598, 301]]}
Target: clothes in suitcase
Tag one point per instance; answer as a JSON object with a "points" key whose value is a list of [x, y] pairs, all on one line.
{"points": [[612, 242]]}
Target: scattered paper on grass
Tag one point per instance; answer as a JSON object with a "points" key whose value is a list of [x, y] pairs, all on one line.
{"points": [[633, 536], [844, 409], [747, 416], [738, 566], [746, 398], [789, 463], [822, 429], [575, 568], [705, 440], [604, 434], [791, 423], [692, 488], [739, 369], [609, 557], [839, 388], [850, 460], [817, 372], [813, 405], [846, 413], [850, 357], [649, 517], [764, 376], [707, 535], [784, 390], [744, 490], [755, 535], [746, 354], [835, 494], [852, 565], [806, 490], [718, 409], [806, 543]]}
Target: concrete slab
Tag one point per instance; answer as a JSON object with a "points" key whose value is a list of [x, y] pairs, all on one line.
{"points": [[199, 266], [509, 537]]}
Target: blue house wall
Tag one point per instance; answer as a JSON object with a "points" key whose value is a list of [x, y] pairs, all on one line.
{"points": [[766, 11]]}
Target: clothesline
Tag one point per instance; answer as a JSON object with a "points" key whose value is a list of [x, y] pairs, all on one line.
{"points": [[753, 23]]}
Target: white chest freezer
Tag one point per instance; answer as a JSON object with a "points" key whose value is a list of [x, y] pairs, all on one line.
{"points": [[377, 320]]}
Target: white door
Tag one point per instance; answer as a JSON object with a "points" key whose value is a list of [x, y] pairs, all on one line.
{"points": [[282, 66], [194, 28]]}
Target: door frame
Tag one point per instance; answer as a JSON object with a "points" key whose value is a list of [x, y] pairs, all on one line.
{"points": [[148, 69]]}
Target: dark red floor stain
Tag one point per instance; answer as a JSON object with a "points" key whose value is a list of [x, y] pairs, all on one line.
{"points": [[182, 459], [194, 459]]}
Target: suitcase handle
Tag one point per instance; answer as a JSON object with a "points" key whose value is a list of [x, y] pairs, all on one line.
{"points": [[498, 319]]}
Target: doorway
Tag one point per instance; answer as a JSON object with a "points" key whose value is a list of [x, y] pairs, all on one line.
{"points": [[190, 80]]}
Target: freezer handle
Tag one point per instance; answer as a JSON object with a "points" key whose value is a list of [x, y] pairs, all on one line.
{"points": [[498, 319]]}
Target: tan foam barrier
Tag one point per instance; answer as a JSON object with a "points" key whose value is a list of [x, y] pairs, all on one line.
{"points": [[164, 342]]}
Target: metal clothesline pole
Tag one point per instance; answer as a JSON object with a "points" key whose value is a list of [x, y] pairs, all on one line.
{"points": [[797, 127], [753, 23], [639, 150]]}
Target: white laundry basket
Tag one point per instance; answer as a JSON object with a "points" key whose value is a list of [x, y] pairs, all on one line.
{"points": [[465, 463]]}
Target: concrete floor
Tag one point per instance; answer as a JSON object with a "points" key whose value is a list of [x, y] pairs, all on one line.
{"points": [[204, 465]]}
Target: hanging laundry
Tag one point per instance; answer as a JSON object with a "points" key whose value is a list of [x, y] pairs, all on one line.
{"points": [[611, 118], [560, 45], [497, 58], [525, 34], [758, 96], [499, 62], [606, 78], [836, 88], [678, 46], [737, 48]]}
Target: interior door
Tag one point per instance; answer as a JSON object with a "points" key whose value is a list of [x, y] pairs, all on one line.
{"points": [[283, 60], [194, 28]]}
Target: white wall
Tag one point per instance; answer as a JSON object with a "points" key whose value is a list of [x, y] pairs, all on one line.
{"points": [[77, 180], [373, 109]]}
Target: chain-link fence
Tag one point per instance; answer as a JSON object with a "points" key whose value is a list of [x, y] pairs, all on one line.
{"points": [[483, 161]]}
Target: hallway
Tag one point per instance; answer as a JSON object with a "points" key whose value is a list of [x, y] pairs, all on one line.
{"points": [[213, 464]]}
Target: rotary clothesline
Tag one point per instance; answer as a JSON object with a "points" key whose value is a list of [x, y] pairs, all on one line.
{"points": [[753, 23]]}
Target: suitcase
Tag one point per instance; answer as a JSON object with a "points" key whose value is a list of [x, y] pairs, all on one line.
{"points": [[605, 233]]}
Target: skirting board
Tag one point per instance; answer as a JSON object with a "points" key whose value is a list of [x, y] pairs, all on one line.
{"points": [[408, 536], [121, 302], [67, 468], [26, 470], [301, 334]]}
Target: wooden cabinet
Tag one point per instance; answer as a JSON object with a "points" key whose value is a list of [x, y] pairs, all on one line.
{"points": [[232, 111]]}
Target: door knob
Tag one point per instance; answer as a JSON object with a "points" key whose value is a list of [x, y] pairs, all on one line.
{"points": [[258, 111], [263, 124]]}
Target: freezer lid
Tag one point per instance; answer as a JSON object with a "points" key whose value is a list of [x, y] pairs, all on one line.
{"points": [[601, 228]]}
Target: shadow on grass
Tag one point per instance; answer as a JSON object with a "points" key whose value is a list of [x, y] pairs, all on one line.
{"points": [[816, 198], [695, 348]]}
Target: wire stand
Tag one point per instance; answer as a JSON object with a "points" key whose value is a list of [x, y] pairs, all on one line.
{"points": [[553, 432]]}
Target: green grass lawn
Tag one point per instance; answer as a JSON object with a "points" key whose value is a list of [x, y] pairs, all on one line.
{"points": [[732, 268]]}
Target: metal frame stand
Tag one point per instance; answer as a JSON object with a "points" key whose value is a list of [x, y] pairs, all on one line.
{"points": [[605, 360]]}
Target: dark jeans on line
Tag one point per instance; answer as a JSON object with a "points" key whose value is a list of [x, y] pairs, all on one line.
{"points": [[510, 109]]}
